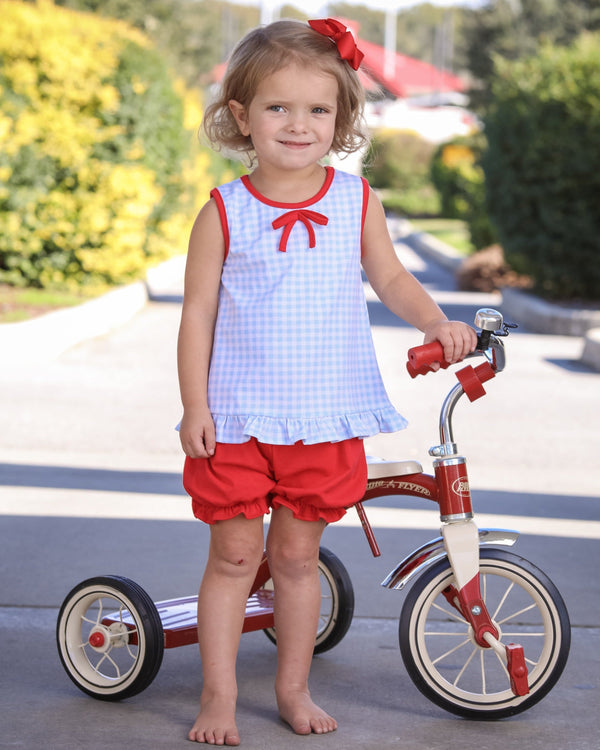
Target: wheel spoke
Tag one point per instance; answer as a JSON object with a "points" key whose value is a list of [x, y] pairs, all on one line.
{"points": [[482, 669], [501, 604], [450, 651], [108, 657], [448, 613], [465, 665], [516, 614], [501, 662]]}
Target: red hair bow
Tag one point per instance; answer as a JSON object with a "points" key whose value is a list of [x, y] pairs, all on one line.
{"points": [[343, 39]]}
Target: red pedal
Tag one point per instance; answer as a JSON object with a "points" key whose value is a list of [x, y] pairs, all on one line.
{"points": [[517, 669]]}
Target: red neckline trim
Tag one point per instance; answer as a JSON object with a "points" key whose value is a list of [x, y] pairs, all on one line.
{"points": [[329, 175]]}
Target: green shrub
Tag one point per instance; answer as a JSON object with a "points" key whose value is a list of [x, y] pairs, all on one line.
{"points": [[412, 203], [459, 179], [100, 171], [399, 161], [542, 170]]}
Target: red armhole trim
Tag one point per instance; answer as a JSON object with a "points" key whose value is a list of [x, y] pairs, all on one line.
{"points": [[216, 196], [365, 205]]}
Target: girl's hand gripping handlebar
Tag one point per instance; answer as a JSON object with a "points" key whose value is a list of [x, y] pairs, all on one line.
{"points": [[421, 359]]}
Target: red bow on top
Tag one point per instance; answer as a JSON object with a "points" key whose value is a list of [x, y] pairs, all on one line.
{"points": [[343, 39], [288, 220]]}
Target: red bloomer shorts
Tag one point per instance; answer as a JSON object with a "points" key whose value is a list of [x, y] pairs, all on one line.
{"points": [[314, 481]]}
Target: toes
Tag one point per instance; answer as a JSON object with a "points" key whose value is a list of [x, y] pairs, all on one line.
{"points": [[322, 726]]}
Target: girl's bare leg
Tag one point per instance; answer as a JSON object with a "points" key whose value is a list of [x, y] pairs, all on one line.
{"points": [[293, 550], [235, 551]]}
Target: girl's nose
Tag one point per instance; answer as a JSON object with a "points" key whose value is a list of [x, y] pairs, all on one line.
{"points": [[297, 122]]}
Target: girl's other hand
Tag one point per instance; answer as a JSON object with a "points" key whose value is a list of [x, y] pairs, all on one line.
{"points": [[458, 339], [197, 433]]}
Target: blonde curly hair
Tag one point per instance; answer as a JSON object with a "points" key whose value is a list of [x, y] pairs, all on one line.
{"points": [[268, 49]]}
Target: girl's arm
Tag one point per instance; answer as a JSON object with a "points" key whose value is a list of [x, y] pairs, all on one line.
{"points": [[204, 264], [400, 291]]}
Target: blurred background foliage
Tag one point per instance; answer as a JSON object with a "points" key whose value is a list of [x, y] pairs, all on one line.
{"points": [[542, 167], [101, 170], [100, 167]]}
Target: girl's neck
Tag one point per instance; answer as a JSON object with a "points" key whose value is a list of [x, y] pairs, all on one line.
{"points": [[288, 187]]}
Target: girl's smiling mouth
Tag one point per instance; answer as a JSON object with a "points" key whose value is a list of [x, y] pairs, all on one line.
{"points": [[295, 144]]}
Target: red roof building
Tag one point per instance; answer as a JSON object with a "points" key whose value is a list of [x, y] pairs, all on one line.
{"points": [[408, 76]]}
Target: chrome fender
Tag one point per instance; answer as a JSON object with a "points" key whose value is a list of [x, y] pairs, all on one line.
{"points": [[434, 550]]}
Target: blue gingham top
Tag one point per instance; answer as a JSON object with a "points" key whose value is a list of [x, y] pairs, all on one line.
{"points": [[293, 358]]}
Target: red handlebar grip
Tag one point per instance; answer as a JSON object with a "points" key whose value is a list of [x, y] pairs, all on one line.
{"points": [[420, 358]]}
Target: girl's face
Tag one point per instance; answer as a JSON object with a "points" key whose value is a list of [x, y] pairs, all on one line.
{"points": [[291, 118]]}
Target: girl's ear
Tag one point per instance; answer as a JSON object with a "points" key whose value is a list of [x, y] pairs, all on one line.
{"points": [[241, 117]]}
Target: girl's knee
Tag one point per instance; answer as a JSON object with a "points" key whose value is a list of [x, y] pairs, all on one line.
{"points": [[292, 558], [292, 544], [235, 559], [236, 551]]}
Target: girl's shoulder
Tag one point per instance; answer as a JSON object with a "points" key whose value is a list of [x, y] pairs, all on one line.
{"points": [[229, 188], [350, 181]]}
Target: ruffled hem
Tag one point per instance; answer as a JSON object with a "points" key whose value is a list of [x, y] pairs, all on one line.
{"points": [[212, 513], [281, 431], [310, 512]]}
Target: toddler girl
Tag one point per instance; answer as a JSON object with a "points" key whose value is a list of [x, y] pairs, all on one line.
{"points": [[277, 370]]}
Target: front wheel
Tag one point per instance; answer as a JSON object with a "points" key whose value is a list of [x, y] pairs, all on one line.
{"points": [[110, 637], [337, 602], [443, 659]]}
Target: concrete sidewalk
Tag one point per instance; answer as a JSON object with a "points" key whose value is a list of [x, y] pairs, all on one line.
{"points": [[362, 682]]}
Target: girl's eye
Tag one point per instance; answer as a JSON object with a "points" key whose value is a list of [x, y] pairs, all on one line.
{"points": [[276, 108], [320, 110]]}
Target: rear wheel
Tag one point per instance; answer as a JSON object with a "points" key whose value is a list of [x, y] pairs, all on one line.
{"points": [[443, 659], [337, 602], [110, 637]]}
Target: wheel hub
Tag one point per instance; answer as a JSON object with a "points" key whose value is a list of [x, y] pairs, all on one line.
{"points": [[103, 638], [473, 640]]}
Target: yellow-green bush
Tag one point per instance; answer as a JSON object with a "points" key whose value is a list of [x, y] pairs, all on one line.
{"points": [[458, 177], [100, 169]]}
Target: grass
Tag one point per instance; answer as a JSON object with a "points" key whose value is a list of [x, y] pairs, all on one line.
{"points": [[422, 207], [420, 201], [453, 232], [22, 304]]}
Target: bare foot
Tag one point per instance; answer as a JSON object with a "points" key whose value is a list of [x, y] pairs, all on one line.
{"points": [[298, 710], [215, 724]]}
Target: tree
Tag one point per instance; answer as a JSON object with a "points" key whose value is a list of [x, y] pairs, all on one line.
{"points": [[515, 29], [192, 36]]}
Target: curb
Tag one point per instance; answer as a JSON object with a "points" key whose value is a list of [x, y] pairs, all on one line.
{"points": [[435, 250], [539, 316], [545, 317], [591, 349], [46, 337]]}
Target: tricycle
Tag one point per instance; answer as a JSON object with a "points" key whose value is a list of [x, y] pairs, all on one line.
{"points": [[483, 633]]}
